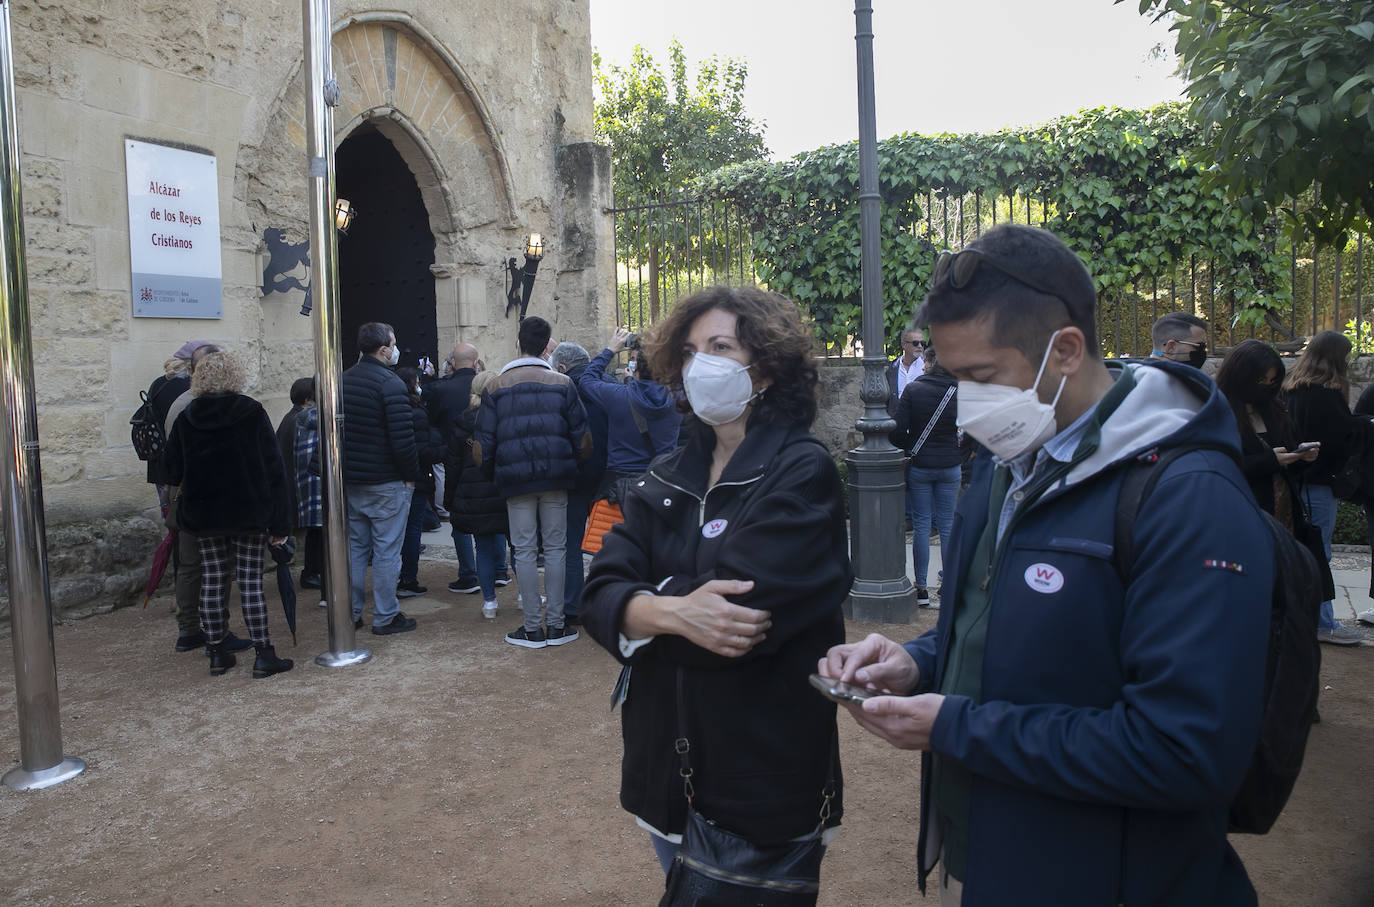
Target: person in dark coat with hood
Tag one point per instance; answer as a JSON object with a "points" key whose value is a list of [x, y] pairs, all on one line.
{"points": [[234, 499], [474, 503], [429, 449], [727, 578]]}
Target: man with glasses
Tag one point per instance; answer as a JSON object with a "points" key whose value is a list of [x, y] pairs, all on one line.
{"points": [[1083, 725], [1180, 337], [907, 367]]}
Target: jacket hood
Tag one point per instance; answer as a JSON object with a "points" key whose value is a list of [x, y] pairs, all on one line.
{"points": [[215, 411], [650, 396], [1170, 405]]}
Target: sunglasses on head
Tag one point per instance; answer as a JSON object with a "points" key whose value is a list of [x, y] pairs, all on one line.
{"points": [[959, 268]]}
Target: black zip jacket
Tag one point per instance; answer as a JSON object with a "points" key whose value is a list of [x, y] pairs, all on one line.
{"points": [[429, 447], [762, 740], [379, 437], [223, 453], [919, 402], [1321, 414]]}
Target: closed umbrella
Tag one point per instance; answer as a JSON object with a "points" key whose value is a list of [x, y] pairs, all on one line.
{"points": [[283, 554], [161, 556]]}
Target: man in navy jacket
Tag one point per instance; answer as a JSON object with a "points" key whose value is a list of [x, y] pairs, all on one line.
{"points": [[531, 434], [380, 468], [1082, 736]]}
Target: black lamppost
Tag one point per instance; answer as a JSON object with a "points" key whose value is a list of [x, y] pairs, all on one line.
{"points": [[882, 592]]}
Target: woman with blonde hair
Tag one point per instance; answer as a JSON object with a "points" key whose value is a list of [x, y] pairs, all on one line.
{"points": [[1316, 390], [474, 503], [224, 455]]}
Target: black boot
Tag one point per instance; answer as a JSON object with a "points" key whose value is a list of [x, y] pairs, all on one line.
{"points": [[220, 658], [268, 663]]}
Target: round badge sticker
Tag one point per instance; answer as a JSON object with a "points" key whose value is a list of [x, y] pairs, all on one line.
{"points": [[1044, 578], [713, 528]]}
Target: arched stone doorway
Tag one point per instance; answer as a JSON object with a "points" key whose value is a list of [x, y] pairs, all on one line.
{"points": [[385, 259]]}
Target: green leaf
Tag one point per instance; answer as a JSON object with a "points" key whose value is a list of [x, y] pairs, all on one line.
{"points": [[1363, 29], [1311, 116], [1316, 73], [1349, 84]]}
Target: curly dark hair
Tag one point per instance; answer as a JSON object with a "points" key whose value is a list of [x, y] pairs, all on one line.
{"points": [[768, 325]]}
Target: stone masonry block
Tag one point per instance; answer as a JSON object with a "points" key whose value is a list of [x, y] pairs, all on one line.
{"points": [[71, 431], [112, 267], [99, 197], [52, 126], [113, 84], [60, 270]]}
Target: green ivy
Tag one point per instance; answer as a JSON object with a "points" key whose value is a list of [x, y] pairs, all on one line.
{"points": [[1120, 187]]}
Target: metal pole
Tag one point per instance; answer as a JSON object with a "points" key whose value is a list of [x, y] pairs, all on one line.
{"points": [[21, 483], [321, 94], [882, 591]]}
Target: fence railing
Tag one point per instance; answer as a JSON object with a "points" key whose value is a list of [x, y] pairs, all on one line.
{"points": [[664, 251]]}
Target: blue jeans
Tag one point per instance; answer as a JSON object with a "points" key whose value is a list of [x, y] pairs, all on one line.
{"points": [[579, 505], [410, 548], [467, 563], [376, 529], [1321, 504], [665, 850], [932, 493]]}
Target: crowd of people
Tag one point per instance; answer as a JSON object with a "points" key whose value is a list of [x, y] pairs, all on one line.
{"points": [[1083, 721]]}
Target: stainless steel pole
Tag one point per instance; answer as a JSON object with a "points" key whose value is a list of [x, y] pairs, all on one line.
{"points": [[21, 482], [882, 591], [321, 94]]}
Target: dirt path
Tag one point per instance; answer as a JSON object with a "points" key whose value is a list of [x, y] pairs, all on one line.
{"points": [[457, 769]]}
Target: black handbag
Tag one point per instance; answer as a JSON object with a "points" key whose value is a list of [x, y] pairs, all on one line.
{"points": [[717, 868]]}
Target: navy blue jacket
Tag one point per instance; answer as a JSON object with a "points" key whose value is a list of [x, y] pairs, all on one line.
{"points": [[1115, 723], [531, 430], [379, 438], [591, 469], [625, 447]]}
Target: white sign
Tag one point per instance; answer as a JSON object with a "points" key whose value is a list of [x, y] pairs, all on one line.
{"points": [[174, 242]]}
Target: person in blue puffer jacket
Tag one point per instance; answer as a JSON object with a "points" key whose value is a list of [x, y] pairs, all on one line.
{"points": [[1082, 735]]}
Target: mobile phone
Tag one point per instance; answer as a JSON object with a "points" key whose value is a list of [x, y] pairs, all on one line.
{"points": [[840, 691], [1309, 445]]}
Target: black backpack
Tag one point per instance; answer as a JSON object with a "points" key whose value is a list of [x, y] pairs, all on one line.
{"points": [[1291, 672], [146, 428]]}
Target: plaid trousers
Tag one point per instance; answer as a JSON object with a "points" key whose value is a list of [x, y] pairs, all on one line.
{"points": [[244, 554]]}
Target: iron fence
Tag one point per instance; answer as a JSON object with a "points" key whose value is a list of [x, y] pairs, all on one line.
{"points": [[666, 250]]}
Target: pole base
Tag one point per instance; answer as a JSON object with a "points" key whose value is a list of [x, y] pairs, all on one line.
{"points": [[343, 659], [881, 603], [21, 778]]}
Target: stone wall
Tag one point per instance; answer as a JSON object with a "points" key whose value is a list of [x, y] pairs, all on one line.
{"points": [[488, 101]]}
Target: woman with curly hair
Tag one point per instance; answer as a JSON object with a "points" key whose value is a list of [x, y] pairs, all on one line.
{"points": [[234, 500], [723, 586]]}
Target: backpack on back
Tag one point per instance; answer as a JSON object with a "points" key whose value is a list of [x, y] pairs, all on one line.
{"points": [[1291, 674], [146, 429]]}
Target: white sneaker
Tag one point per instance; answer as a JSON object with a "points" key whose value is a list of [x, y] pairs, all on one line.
{"points": [[324, 604], [1366, 617], [489, 610]]}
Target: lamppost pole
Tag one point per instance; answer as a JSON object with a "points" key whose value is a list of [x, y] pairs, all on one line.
{"points": [[41, 763], [321, 94], [882, 592]]}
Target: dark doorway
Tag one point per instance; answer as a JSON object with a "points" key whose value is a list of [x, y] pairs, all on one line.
{"points": [[384, 260]]}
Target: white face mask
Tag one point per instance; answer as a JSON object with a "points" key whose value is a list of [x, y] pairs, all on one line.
{"points": [[395, 354], [718, 388], [1006, 420]]}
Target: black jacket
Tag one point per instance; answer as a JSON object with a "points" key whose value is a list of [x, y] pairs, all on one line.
{"points": [[162, 393], [1321, 414], [429, 447], [473, 501], [379, 436], [762, 740], [447, 399], [286, 446], [919, 402], [223, 453]]}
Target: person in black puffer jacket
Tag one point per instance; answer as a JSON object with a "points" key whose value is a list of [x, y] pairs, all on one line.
{"points": [[474, 503], [379, 460], [933, 473], [223, 453], [429, 449]]}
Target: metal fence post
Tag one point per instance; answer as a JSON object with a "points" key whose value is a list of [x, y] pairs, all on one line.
{"points": [[321, 93], [41, 763]]}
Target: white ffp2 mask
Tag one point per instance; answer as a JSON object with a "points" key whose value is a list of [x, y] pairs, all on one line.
{"points": [[718, 388], [1008, 420]]}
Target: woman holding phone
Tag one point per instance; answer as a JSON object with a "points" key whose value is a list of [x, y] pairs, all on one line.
{"points": [[724, 584]]}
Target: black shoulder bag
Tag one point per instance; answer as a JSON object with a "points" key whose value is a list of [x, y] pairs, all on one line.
{"points": [[716, 866]]}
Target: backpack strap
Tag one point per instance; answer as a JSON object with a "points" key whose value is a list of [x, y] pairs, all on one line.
{"points": [[1142, 473], [643, 426], [930, 426]]}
